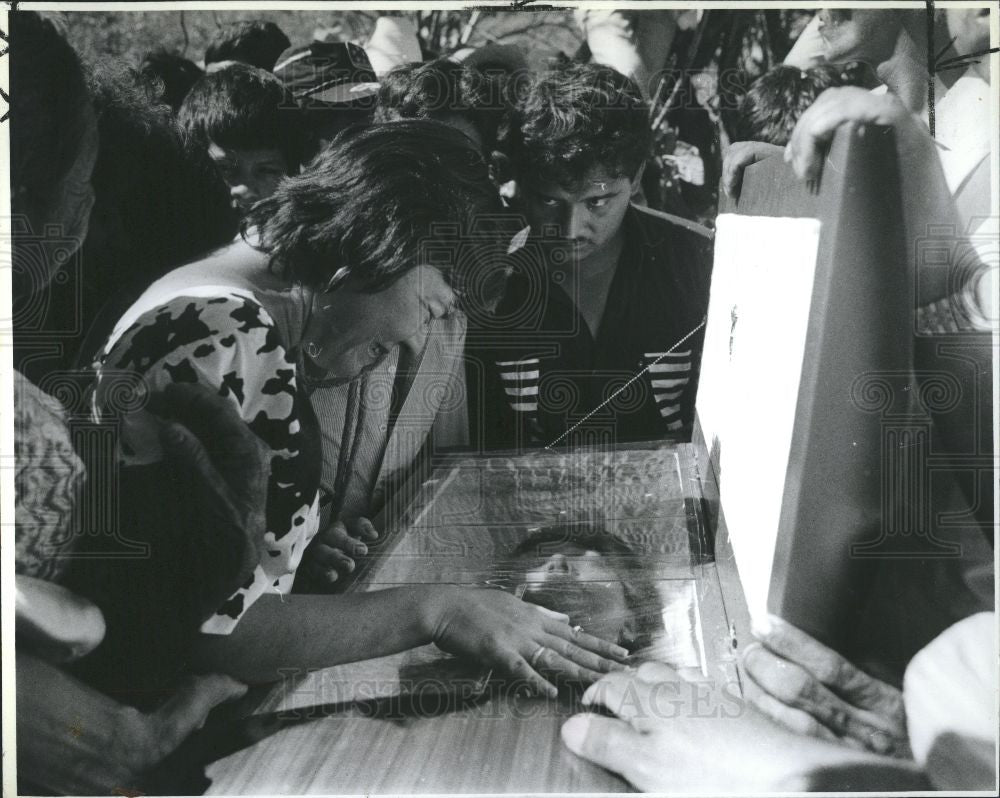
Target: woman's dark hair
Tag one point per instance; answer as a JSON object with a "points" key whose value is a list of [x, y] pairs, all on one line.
{"points": [[48, 110], [245, 107], [438, 90], [382, 200], [254, 42], [573, 119], [172, 73]]}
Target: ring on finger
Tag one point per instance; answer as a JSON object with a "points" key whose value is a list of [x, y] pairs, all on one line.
{"points": [[533, 659], [576, 630]]}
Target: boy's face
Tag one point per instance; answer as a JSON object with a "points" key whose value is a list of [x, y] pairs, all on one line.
{"points": [[587, 215], [251, 174]]}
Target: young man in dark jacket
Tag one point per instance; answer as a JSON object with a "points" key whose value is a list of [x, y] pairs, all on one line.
{"points": [[597, 338]]}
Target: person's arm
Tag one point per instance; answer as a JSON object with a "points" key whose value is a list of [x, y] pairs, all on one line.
{"points": [[304, 631]]}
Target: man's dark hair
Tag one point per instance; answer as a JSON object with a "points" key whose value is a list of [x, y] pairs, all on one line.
{"points": [[172, 73], [49, 108], [245, 107], [438, 90], [641, 596], [575, 118], [775, 102], [252, 42], [373, 200]]}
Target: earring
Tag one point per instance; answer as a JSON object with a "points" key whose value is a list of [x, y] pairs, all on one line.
{"points": [[312, 350]]}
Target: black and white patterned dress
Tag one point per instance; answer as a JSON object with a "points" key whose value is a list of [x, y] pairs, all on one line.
{"points": [[225, 339]]}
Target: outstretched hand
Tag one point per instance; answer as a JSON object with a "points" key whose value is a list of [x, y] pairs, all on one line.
{"points": [[529, 643]]}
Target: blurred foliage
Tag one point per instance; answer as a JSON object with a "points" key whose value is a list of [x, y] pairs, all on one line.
{"points": [[541, 34]]}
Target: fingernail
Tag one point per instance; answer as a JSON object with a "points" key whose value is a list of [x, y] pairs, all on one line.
{"points": [[552, 691], [620, 652], [360, 549], [332, 576]]}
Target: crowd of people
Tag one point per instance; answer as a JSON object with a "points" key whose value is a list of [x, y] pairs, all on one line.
{"points": [[296, 272]]}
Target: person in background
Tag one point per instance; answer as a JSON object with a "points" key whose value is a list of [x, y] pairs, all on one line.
{"points": [[774, 102], [452, 93], [893, 42], [249, 125], [53, 150], [254, 42], [333, 83], [604, 290], [171, 71]]}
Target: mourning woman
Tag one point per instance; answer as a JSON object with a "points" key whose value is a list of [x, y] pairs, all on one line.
{"points": [[331, 275]]}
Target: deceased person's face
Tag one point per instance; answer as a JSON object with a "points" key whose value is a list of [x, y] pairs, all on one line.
{"points": [[595, 578], [581, 584]]}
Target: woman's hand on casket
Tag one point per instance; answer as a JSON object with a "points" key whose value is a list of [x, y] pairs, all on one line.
{"points": [[332, 552], [813, 690], [529, 643]]}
